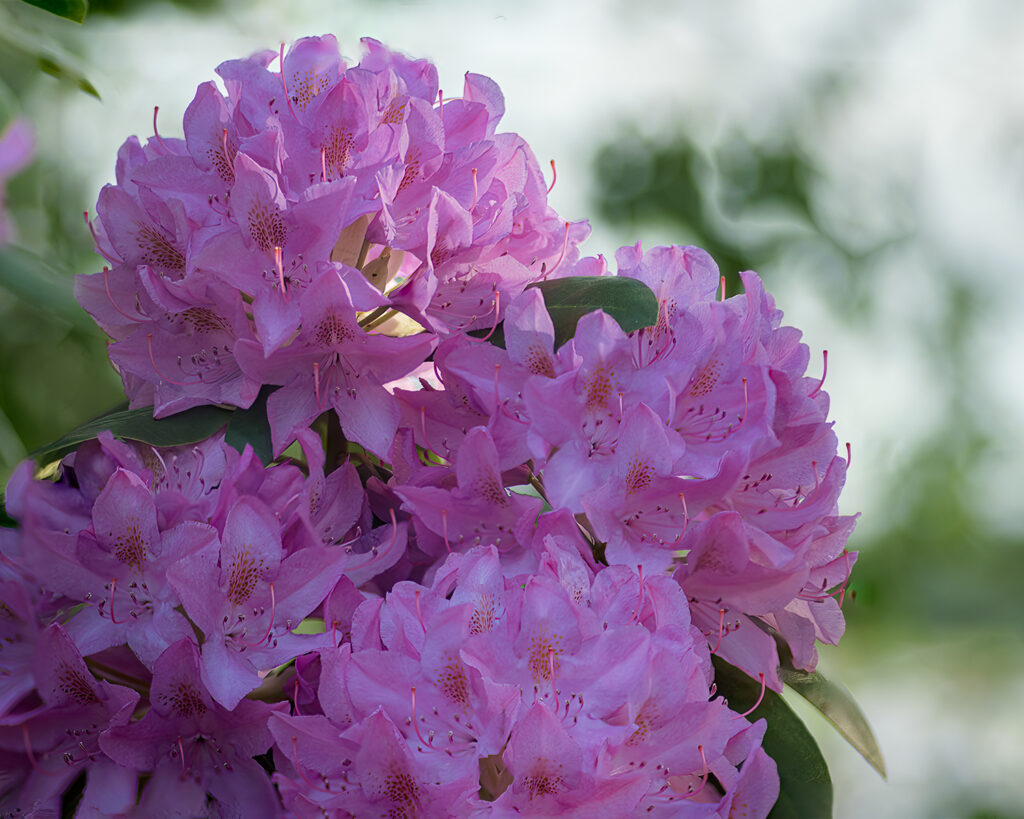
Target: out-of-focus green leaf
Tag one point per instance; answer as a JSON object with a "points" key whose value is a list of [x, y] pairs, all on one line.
{"points": [[63, 71], [71, 9], [840, 708], [805, 787], [186, 427], [31, 279], [251, 426], [629, 301], [9, 106]]}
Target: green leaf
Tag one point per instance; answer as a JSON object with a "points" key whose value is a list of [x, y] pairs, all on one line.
{"points": [[71, 9], [840, 708], [629, 301], [186, 427], [251, 426], [805, 787], [27, 276]]}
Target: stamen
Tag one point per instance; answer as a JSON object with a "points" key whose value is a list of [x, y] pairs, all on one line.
{"points": [[415, 722], [722, 281], [323, 164], [316, 385], [440, 105], [753, 707], [279, 263], [227, 154], [284, 83], [704, 776], [106, 286], [419, 611], [152, 360], [473, 206], [295, 761], [181, 753], [824, 372], [156, 133], [96, 240], [721, 630], [554, 176], [686, 518], [849, 455], [554, 686], [31, 756], [113, 619], [565, 244], [270, 623], [501, 405], [640, 602], [496, 306], [295, 699], [444, 525]]}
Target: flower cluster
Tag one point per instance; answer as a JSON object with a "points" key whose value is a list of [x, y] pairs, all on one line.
{"points": [[497, 593], [240, 254]]}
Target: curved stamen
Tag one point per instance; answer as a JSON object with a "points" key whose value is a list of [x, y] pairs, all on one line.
{"points": [[152, 360], [284, 83], [475, 192], [279, 264], [704, 776], [295, 699], [554, 176], [415, 722], [110, 297], [824, 372], [96, 240], [181, 754], [113, 619], [444, 525], [753, 707], [295, 761], [31, 756], [721, 630], [156, 132], [270, 622], [419, 611], [849, 455], [565, 244], [635, 618]]}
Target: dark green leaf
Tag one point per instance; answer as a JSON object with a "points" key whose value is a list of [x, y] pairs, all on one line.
{"points": [[629, 301], [252, 427], [71, 9], [805, 787], [63, 71], [32, 280], [839, 708], [186, 427]]}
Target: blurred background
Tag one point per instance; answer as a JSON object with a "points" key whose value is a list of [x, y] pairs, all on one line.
{"points": [[865, 157]]}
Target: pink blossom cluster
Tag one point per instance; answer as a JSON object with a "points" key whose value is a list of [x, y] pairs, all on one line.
{"points": [[239, 254], [497, 593]]}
